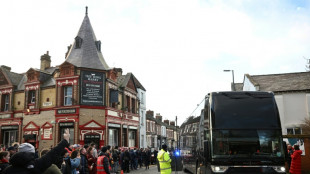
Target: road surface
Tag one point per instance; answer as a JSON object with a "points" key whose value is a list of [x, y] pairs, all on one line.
{"points": [[152, 170]]}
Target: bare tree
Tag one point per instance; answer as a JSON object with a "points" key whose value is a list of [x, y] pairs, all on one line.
{"points": [[307, 64], [306, 126]]}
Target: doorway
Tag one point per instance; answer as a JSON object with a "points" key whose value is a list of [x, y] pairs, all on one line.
{"points": [[63, 127], [92, 138], [31, 139]]}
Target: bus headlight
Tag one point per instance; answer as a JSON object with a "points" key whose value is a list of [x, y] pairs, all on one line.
{"points": [[219, 169], [279, 169]]}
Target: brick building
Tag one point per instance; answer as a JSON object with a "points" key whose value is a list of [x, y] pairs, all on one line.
{"points": [[96, 102], [159, 132], [188, 132]]}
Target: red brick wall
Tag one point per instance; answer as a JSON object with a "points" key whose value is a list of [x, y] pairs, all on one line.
{"points": [[305, 160]]}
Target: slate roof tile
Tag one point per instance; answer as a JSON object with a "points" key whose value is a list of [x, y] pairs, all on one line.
{"points": [[87, 56], [298, 81]]}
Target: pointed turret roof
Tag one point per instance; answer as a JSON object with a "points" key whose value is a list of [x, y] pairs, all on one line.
{"points": [[86, 50]]}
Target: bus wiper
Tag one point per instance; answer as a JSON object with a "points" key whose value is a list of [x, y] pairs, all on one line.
{"points": [[236, 156], [264, 156]]}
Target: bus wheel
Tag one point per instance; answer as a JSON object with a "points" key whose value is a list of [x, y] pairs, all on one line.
{"points": [[198, 170]]}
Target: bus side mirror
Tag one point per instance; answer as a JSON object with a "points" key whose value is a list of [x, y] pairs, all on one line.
{"points": [[285, 150], [206, 152]]}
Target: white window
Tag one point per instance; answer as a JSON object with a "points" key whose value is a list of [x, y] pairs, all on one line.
{"points": [[132, 138], [113, 137], [6, 102], [142, 140], [294, 131], [163, 131], [148, 126], [142, 119], [142, 98], [32, 97], [68, 95], [148, 139]]}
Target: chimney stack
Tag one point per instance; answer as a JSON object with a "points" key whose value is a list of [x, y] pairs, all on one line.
{"points": [[119, 72], [45, 61], [150, 113], [6, 67], [159, 117], [166, 121], [172, 123]]}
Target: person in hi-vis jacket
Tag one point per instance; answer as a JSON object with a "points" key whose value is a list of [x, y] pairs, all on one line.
{"points": [[164, 160]]}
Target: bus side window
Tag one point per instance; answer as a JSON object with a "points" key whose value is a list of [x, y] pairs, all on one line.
{"points": [[206, 149]]}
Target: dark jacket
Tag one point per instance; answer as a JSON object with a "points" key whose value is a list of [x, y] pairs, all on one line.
{"points": [[126, 156], [3, 164], [66, 166], [115, 155], [146, 156], [25, 162], [289, 158], [84, 165], [132, 155]]}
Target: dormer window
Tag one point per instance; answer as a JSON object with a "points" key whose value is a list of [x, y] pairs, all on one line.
{"points": [[98, 45], [78, 42], [32, 97]]}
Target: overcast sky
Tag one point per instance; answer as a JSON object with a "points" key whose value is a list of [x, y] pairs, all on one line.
{"points": [[177, 49]]}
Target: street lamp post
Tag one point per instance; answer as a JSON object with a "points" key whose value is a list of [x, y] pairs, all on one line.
{"points": [[176, 122], [233, 78]]}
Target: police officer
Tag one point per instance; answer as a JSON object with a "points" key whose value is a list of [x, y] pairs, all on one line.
{"points": [[164, 160]]}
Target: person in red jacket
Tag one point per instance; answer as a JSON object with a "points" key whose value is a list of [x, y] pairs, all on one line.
{"points": [[296, 161]]}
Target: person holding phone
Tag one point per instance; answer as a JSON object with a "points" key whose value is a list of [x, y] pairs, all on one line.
{"points": [[24, 160]]}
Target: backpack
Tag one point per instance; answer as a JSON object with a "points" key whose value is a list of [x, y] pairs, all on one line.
{"points": [[115, 156], [67, 167]]}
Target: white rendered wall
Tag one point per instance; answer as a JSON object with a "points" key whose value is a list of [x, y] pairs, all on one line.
{"points": [[247, 85], [142, 114], [308, 104], [293, 109]]}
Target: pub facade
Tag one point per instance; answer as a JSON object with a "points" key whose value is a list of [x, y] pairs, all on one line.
{"points": [[97, 103]]}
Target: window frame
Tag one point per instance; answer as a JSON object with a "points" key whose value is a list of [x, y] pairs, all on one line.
{"points": [[31, 96], [293, 130], [67, 96], [142, 98], [5, 102], [133, 105]]}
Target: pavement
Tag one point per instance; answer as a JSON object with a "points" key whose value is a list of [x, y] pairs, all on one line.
{"points": [[153, 170]]}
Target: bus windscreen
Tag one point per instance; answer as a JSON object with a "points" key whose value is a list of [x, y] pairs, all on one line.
{"points": [[244, 112]]}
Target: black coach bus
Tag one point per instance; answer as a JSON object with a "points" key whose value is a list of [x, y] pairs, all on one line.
{"points": [[239, 132]]}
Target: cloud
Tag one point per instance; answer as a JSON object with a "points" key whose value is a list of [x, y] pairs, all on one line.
{"points": [[177, 49]]}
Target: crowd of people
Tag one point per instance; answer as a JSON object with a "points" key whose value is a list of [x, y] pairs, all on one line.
{"points": [[72, 159]]}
